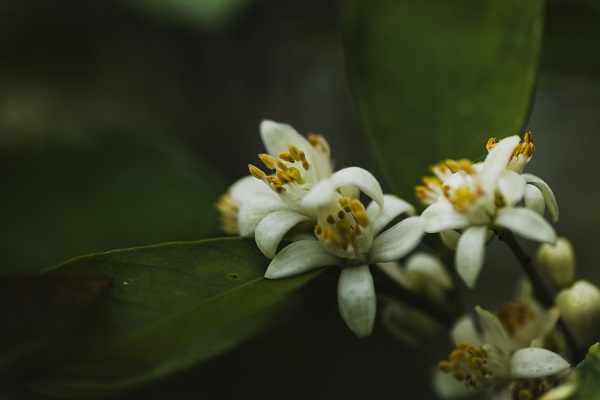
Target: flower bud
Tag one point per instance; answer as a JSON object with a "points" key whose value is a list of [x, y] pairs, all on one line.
{"points": [[557, 262], [580, 309]]}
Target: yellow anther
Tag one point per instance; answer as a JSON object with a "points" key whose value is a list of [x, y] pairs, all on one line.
{"points": [[359, 213], [228, 210], [330, 236], [344, 228], [297, 176], [344, 201], [281, 165], [341, 214], [318, 230], [269, 161], [294, 152], [491, 144], [453, 165], [282, 176], [314, 140], [256, 172], [463, 197], [305, 165], [286, 157], [431, 180], [330, 219], [445, 366], [467, 166], [528, 138], [421, 192], [466, 364]]}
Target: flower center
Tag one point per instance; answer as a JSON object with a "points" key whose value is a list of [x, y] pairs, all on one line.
{"points": [[343, 229], [430, 191], [467, 364], [514, 315]]}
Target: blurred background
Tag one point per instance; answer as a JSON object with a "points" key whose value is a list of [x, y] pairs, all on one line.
{"points": [[121, 122]]}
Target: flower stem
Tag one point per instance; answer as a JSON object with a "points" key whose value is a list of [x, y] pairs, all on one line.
{"points": [[540, 289]]}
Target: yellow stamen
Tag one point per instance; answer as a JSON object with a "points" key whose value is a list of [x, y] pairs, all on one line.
{"points": [[256, 172], [294, 152], [359, 213], [286, 157], [514, 315], [269, 161], [467, 363]]}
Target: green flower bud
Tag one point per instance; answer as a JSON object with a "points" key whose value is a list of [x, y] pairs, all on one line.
{"points": [[579, 307], [557, 262]]}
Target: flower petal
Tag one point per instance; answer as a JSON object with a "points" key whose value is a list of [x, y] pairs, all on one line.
{"points": [[534, 199], [526, 223], [273, 227], [429, 267], [393, 206], [496, 162], [464, 330], [447, 387], [362, 179], [469, 254], [512, 187], [397, 241], [450, 238], [321, 194], [442, 217], [546, 192], [534, 362], [493, 331], [249, 188], [251, 213], [298, 258], [356, 299], [277, 137]]}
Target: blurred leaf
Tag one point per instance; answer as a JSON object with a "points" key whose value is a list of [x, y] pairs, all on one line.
{"points": [[434, 80], [585, 379], [206, 13], [65, 199], [35, 310], [571, 39], [171, 306]]}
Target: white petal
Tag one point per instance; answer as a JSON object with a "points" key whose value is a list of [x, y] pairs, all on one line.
{"points": [[496, 162], [277, 137], [362, 179], [397, 241], [273, 227], [547, 192], [464, 330], [442, 217], [393, 206], [250, 214], [469, 254], [450, 238], [446, 387], [356, 299], [511, 186], [526, 223], [534, 362], [249, 188], [321, 194], [492, 330], [299, 257], [534, 199], [430, 267], [395, 272]]}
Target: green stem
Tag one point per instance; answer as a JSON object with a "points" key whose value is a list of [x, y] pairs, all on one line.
{"points": [[540, 289]]}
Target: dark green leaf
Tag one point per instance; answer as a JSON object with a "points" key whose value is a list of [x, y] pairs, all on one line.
{"points": [[98, 193], [35, 310], [170, 307], [586, 377], [435, 79]]}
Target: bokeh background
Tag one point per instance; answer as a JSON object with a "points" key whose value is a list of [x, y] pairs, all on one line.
{"points": [[121, 122]]}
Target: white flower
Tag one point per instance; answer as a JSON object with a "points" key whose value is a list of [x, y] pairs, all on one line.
{"points": [[480, 197], [485, 359], [269, 206], [351, 236], [557, 262], [580, 309]]}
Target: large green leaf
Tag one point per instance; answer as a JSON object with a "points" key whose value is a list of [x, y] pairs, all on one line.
{"points": [[435, 79], [65, 198], [170, 307]]}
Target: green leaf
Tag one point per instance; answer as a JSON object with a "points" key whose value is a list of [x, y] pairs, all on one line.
{"points": [[36, 312], [434, 80], [171, 306], [586, 378], [98, 193]]}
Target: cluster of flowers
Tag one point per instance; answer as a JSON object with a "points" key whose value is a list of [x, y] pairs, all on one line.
{"points": [[304, 216]]}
